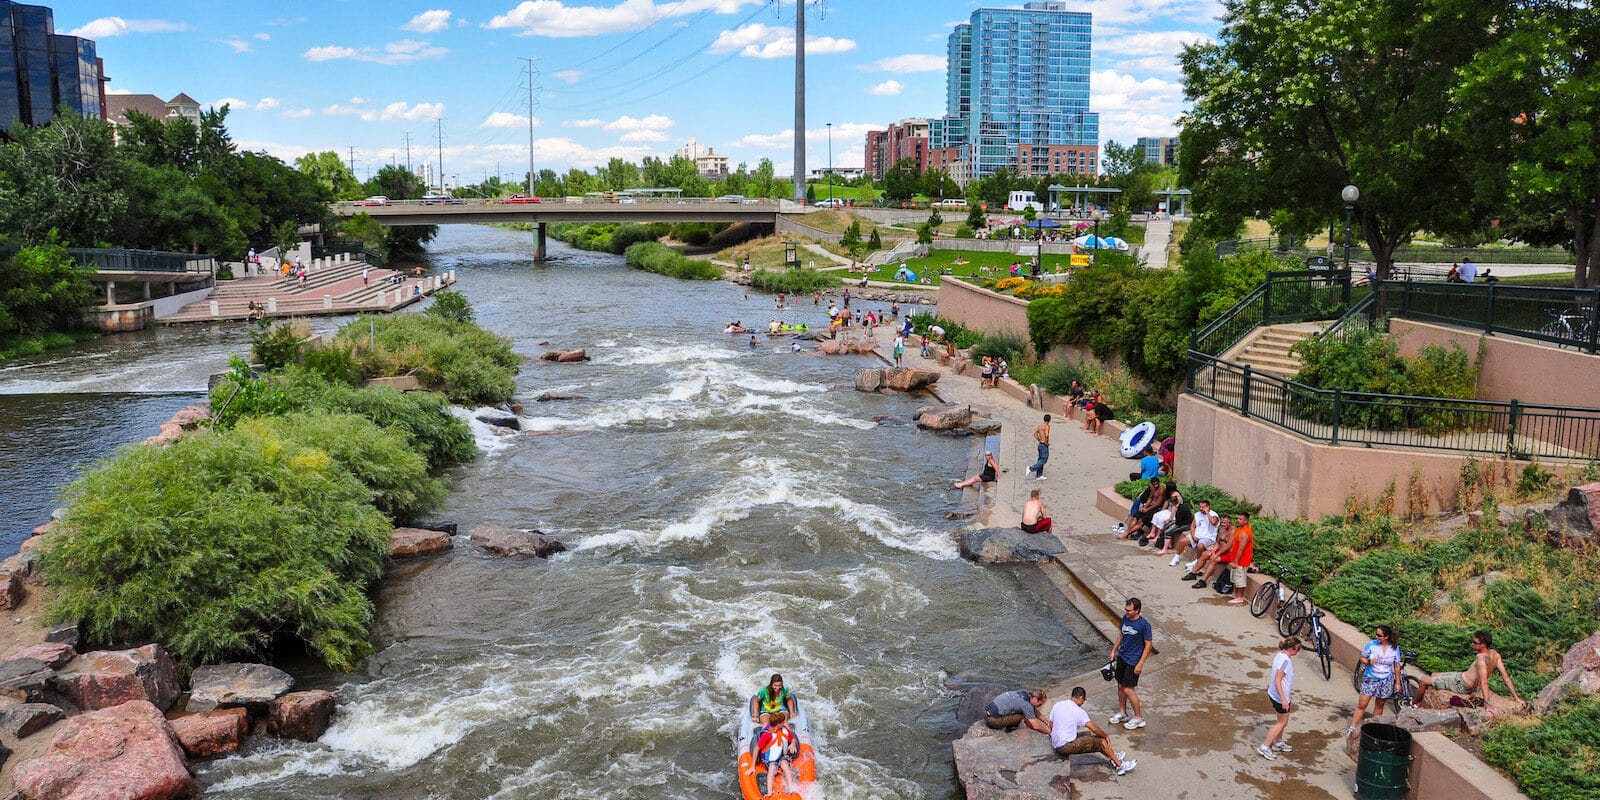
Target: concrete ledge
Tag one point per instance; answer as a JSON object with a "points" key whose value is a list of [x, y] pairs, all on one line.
{"points": [[1444, 770], [1111, 504]]}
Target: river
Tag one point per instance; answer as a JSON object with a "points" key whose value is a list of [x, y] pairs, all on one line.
{"points": [[730, 512]]}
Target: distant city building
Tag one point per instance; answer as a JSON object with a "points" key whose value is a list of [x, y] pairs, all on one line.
{"points": [[183, 106], [907, 138], [41, 71], [847, 173], [1017, 97], [706, 162], [1160, 150]]}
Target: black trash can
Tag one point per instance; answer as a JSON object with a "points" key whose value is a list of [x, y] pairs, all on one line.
{"points": [[1383, 766]]}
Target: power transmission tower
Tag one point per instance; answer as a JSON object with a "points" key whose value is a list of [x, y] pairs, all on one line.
{"points": [[440, 122], [530, 123], [352, 159], [800, 102], [408, 151]]}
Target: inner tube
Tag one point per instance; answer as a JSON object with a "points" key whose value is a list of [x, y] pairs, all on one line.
{"points": [[1137, 438]]}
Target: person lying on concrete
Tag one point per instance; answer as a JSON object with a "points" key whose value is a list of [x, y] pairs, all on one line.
{"points": [[1067, 717], [1033, 515], [988, 474], [1476, 677], [1021, 707]]}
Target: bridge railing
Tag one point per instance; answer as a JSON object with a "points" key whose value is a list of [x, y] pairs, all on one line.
{"points": [[102, 259], [556, 201]]}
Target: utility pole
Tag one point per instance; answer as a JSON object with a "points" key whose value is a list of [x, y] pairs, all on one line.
{"points": [[530, 125], [408, 151], [352, 159], [800, 101], [440, 122]]}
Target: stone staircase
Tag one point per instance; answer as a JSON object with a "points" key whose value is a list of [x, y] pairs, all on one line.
{"points": [[331, 288], [1268, 349]]}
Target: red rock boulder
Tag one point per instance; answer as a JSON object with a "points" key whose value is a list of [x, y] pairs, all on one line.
{"points": [[509, 543], [909, 380], [107, 678], [212, 733], [54, 654], [301, 715], [127, 752], [414, 542]]}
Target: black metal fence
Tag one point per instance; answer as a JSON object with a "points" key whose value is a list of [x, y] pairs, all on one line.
{"points": [[1405, 255], [1336, 417], [1563, 317], [118, 260], [1294, 296]]}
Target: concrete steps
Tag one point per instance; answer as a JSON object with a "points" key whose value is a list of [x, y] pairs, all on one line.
{"points": [[335, 288], [1268, 350]]}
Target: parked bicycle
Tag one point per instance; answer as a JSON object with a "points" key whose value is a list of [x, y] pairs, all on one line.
{"points": [[1569, 326], [1311, 623], [1410, 685], [1291, 603]]}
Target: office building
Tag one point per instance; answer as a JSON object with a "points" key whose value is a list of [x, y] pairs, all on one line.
{"points": [[706, 162], [1161, 150], [906, 139], [42, 71], [1017, 95]]}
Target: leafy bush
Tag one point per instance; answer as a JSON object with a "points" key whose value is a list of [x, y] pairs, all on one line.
{"points": [[335, 362], [450, 305], [1382, 587], [217, 545], [1001, 345], [1368, 361], [793, 281], [381, 459], [1554, 760], [954, 332], [276, 345], [1221, 502], [607, 237], [663, 260], [1310, 551], [469, 364], [42, 289]]}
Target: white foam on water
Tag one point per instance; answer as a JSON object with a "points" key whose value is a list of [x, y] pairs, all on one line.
{"points": [[279, 762], [663, 353], [488, 438]]}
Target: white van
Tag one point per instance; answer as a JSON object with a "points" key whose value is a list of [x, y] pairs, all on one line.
{"points": [[951, 202], [1024, 199]]}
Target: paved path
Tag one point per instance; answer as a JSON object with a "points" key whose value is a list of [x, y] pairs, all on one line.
{"points": [[1204, 691], [1157, 234]]}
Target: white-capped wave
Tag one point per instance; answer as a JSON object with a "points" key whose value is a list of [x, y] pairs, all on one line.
{"points": [[488, 438]]}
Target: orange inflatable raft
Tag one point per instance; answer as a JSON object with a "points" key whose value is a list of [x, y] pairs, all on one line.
{"points": [[752, 773]]}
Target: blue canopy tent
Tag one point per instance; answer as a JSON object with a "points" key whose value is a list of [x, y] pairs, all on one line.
{"points": [[903, 274], [1042, 223], [1092, 242]]}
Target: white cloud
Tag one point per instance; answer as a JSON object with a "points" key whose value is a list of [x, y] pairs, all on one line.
{"points": [[583, 123], [888, 88], [1132, 107], [643, 136], [267, 104], [233, 103], [556, 19], [404, 51], [358, 100], [1146, 43], [843, 134], [107, 27], [120, 91], [421, 111], [337, 110], [505, 119], [265, 37], [911, 62], [1163, 64], [431, 21], [238, 45], [297, 113], [654, 122], [760, 41], [568, 76]]}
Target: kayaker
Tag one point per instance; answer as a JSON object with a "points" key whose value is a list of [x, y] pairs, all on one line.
{"points": [[770, 700]]}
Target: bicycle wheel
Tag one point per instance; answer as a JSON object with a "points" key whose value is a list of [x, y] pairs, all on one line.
{"points": [[1412, 686], [1263, 599], [1325, 652], [1292, 618], [1556, 331]]}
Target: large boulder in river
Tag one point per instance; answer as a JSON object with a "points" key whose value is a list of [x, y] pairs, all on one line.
{"points": [[106, 678], [909, 380], [565, 356], [249, 685], [415, 542], [212, 733], [1011, 765], [1009, 546], [301, 715], [944, 418], [869, 379], [974, 701], [499, 418], [509, 542], [127, 752], [54, 654]]}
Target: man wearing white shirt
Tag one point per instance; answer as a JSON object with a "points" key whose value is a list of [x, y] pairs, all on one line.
{"points": [[1066, 717], [1469, 271]]}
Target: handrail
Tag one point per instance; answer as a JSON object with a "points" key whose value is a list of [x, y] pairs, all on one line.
{"points": [[1361, 307], [1201, 340], [1497, 308]]}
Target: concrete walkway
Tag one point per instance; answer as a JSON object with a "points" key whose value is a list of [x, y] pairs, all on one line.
{"points": [[1157, 235], [1204, 689]]}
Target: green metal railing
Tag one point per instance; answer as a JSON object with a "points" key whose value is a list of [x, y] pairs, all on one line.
{"points": [[1563, 317], [1337, 417], [1405, 255], [119, 260], [1294, 296]]}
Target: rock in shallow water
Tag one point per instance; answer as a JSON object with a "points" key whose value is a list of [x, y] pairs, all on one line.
{"points": [[301, 715], [1009, 546], [217, 685], [126, 752], [212, 733], [508, 542]]}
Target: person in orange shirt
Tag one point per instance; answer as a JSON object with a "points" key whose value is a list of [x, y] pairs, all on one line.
{"points": [[1244, 553]]}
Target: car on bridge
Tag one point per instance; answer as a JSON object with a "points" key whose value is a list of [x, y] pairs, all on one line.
{"points": [[375, 200], [441, 200], [521, 198]]}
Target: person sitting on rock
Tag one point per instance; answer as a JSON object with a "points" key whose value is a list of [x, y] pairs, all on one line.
{"points": [[1010, 709], [1476, 677], [1033, 515], [988, 474]]}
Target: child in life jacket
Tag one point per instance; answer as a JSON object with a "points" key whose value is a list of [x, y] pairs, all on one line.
{"points": [[776, 747]]}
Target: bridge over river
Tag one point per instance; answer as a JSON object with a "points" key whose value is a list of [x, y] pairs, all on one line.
{"points": [[569, 209]]}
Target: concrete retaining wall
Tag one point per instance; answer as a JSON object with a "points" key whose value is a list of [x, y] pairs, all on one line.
{"points": [[981, 309], [167, 306]]}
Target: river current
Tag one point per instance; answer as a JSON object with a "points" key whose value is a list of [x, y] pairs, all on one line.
{"points": [[730, 512]]}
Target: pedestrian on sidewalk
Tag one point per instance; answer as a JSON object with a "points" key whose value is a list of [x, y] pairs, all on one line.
{"points": [[1065, 720], [1135, 640], [1279, 691], [364, 271], [1041, 434], [899, 351]]}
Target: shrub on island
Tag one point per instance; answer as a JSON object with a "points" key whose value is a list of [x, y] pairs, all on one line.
{"points": [[469, 364], [663, 260], [793, 281]]}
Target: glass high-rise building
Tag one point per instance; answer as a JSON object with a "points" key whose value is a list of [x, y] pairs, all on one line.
{"points": [[41, 71], [1018, 93]]}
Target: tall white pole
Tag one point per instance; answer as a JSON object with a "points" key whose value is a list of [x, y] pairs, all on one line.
{"points": [[530, 125], [800, 101]]}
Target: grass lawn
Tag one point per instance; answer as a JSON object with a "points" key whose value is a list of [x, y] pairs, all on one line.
{"points": [[767, 253], [929, 267], [1562, 280], [859, 194], [837, 222]]}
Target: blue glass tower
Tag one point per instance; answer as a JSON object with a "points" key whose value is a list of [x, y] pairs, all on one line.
{"points": [[41, 70], [1018, 91]]}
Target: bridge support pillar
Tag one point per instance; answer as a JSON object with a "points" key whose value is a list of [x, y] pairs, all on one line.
{"points": [[539, 243], [146, 286], [111, 293]]}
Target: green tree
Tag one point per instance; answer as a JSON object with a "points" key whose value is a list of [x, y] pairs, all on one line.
{"points": [[924, 234], [619, 174], [852, 236], [41, 290], [975, 219], [66, 177], [901, 181], [1292, 102], [936, 183], [331, 174], [811, 193], [763, 181], [396, 183], [874, 241]]}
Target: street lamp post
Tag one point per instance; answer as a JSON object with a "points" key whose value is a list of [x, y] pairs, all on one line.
{"points": [[1350, 194], [830, 165]]}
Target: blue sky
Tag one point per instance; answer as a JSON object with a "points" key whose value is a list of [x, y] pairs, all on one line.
{"points": [[625, 78]]}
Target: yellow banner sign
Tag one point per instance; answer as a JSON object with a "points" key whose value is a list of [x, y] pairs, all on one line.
{"points": [[1080, 260]]}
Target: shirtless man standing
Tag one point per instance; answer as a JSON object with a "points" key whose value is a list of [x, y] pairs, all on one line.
{"points": [[1042, 435], [1476, 677], [1033, 518]]}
